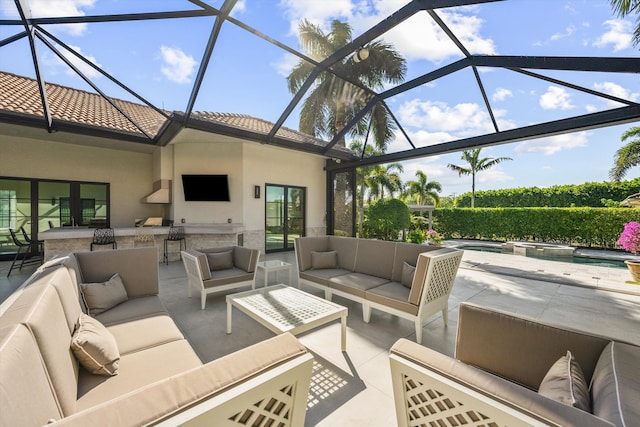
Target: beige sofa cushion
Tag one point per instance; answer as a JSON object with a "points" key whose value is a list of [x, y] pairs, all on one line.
{"points": [[392, 294], [324, 260], [138, 269], [133, 309], [100, 297], [347, 249], [136, 370], [565, 383], [356, 283], [144, 333], [95, 347], [203, 263], [24, 381], [47, 323], [615, 388], [375, 258]]}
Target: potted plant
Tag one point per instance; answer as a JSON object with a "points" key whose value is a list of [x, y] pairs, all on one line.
{"points": [[630, 241], [434, 238]]}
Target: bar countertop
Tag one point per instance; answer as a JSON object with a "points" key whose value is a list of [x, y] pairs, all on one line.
{"points": [[83, 232]]}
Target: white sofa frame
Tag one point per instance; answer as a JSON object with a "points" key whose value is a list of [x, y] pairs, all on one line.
{"points": [[195, 281]]}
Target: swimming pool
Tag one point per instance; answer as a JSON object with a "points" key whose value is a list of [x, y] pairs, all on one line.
{"points": [[601, 262]]}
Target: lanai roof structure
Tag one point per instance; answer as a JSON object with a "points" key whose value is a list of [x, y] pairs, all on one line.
{"points": [[31, 41]]}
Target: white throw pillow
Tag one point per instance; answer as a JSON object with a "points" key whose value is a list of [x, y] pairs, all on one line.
{"points": [[95, 347]]}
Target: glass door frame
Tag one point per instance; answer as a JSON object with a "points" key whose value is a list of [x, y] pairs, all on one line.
{"points": [[285, 209]]}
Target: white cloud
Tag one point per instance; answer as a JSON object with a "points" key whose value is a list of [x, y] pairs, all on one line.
{"points": [[619, 35], [556, 98], [590, 108], [286, 64], [567, 32], [85, 69], [58, 8], [501, 94], [616, 90], [465, 119], [553, 144], [317, 12], [417, 38], [178, 66]]}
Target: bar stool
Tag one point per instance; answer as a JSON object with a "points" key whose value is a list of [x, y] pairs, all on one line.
{"points": [[104, 236], [26, 246], [176, 234]]}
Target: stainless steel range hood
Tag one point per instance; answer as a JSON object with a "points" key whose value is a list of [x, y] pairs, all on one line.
{"points": [[161, 192]]}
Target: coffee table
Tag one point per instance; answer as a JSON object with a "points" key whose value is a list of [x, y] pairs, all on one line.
{"points": [[281, 308]]}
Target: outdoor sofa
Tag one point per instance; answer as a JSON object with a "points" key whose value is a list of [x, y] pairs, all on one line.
{"points": [[516, 371], [159, 379], [404, 279], [219, 269]]}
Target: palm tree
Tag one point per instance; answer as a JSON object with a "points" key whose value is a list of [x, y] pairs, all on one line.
{"points": [[333, 102], [362, 184], [476, 164], [424, 189], [628, 156], [624, 8], [383, 178]]}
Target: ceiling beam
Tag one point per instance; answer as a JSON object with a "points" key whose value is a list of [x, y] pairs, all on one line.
{"points": [[112, 18], [573, 124], [567, 63]]}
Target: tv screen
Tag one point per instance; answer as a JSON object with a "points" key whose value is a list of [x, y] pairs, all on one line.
{"points": [[205, 188]]}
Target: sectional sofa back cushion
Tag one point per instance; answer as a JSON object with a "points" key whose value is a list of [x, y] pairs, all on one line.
{"points": [[220, 260], [347, 248], [375, 258], [26, 397], [47, 322], [508, 353], [616, 384], [140, 270], [306, 245]]}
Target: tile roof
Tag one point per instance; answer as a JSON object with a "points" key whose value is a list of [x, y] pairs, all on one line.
{"points": [[21, 95]]}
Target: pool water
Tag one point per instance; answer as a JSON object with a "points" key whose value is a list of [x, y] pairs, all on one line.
{"points": [[600, 262]]}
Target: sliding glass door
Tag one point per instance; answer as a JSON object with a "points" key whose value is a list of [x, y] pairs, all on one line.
{"points": [[284, 216]]}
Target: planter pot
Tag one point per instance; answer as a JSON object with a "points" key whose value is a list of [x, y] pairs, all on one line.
{"points": [[634, 269]]}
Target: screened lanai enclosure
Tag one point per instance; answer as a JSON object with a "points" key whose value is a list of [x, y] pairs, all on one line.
{"points": [[346, 75]]}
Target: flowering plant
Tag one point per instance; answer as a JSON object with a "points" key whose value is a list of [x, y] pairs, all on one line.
{"points": [[630, 237], [434, 237]]}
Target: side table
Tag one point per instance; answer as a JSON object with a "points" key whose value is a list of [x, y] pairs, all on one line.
{"points": [[273, 266]]}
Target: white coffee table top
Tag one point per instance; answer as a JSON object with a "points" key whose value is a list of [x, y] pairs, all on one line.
{"points": [[282, 308]]}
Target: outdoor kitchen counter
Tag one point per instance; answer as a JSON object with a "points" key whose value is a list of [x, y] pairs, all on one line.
{"points": [[60, 241]]}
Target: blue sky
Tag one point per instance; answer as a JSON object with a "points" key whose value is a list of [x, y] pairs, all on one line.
{"points": [[159, 59]]}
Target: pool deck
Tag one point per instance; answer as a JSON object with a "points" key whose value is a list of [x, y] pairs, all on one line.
{"points": [[564, 273]]}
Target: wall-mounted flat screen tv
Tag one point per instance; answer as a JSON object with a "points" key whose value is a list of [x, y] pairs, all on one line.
{"points": [[205, 188]]}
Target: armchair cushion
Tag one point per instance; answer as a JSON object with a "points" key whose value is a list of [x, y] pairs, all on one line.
{"points": [[220, 260], [100, 297], [565, 383], [95, 347], [324, 260]]}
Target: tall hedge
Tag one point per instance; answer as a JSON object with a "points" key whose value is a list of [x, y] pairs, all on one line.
{"points": [[585, 227], [589, 194]]}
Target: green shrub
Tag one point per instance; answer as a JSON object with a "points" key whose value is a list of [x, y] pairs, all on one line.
{"points": [[599, 227], [590, 194], [386, 218]]}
